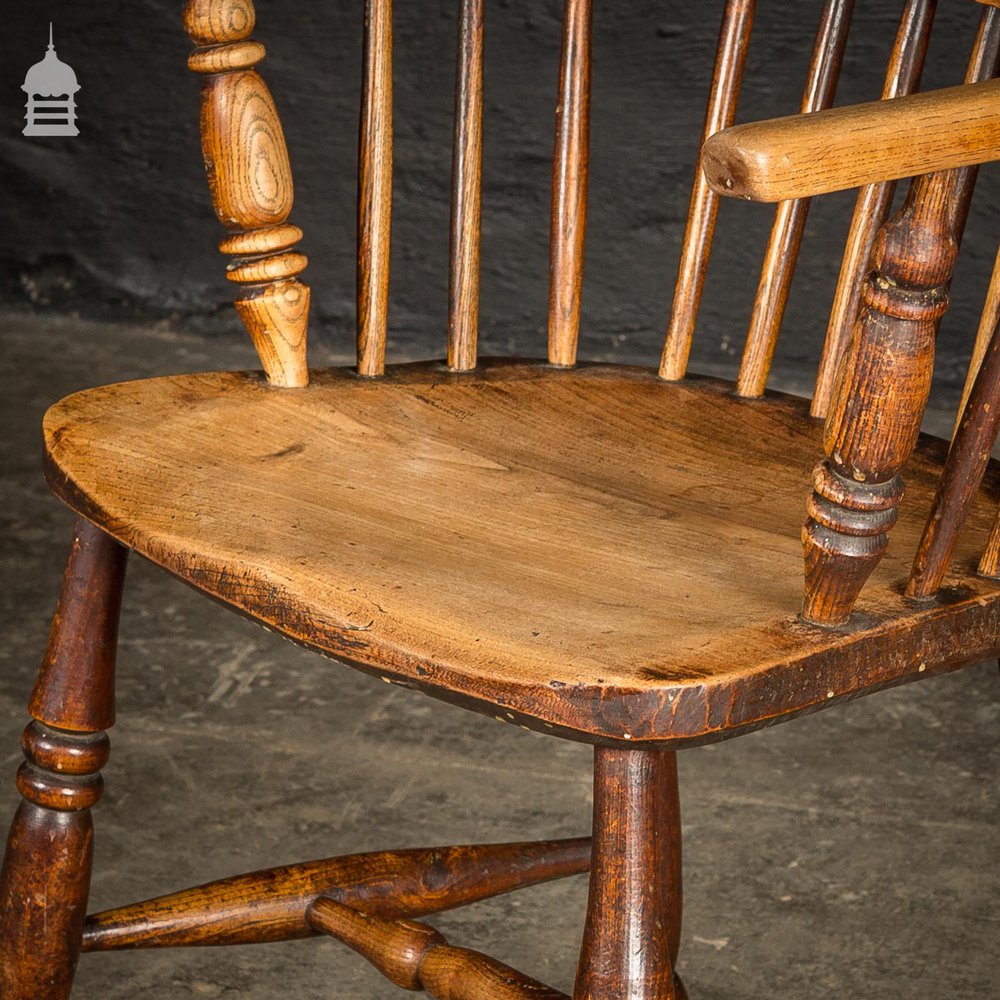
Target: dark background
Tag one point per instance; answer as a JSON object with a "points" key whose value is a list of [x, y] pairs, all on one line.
{"points": [[116, 223]]}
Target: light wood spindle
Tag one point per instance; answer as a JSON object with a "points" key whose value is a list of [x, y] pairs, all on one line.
{"points": [[374, 188], [987, 322], [570, 169], [734, 42], [989, 564], [873, 201], [466, 190], [251, 182], [790, 218]]}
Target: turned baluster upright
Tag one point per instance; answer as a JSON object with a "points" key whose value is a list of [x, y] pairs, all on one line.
{"points": [[251, 182], [884, 378]]}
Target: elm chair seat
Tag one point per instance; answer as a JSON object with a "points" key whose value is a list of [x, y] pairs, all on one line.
{"points": [[593, 549]]}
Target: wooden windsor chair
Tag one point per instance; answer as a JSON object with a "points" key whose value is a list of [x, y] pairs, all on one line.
{"points": [[493, 533]]}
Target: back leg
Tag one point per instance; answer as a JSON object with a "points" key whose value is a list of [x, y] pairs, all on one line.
{"points": [[45, 878]]}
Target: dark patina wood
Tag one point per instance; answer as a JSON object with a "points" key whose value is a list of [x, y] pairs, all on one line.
{"points": [[272, 905], [45, 877], [413, 956], [963, 472], [632, 933]]}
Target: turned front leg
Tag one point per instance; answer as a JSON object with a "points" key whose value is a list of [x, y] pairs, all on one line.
{"points": [[45, 877], [632, 932]]}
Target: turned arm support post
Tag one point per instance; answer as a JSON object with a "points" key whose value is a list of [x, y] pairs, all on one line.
{"points": [[251, 183], [879, 398], [884, 378]]}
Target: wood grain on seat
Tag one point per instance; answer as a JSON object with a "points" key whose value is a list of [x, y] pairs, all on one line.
{"points": [[591, 550]]}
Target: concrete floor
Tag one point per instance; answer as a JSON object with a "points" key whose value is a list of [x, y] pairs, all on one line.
{"points": [[850, 854]]}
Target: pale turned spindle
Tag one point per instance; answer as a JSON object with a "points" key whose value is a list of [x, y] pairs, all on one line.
{"points": [[374, 188], [569, 184], [873, 201], [730, 59], [790, 218], [251, 183], [466, 190], [987, 322], [989, 563]]}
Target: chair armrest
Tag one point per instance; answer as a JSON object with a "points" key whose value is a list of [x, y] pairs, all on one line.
{"points": [[804, 155]]}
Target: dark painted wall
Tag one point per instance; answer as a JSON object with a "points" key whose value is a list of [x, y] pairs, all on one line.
{"points": [[117, 221]]}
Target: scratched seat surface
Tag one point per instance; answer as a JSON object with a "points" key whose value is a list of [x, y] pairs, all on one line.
{"points": [[591, 550]]}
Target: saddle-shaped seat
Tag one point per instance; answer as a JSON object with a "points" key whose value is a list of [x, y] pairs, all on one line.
{"points": [[594, 550]]}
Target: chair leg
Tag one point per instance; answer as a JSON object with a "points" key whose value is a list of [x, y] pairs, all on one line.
{"points": [[46, 869], [632, 932]]}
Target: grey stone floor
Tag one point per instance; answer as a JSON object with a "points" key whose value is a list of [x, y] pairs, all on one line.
{"points": [[851, 854]]}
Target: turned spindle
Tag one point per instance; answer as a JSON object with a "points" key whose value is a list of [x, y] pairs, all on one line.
{"points": [[45, 878], [570, 178], [251, 182]]}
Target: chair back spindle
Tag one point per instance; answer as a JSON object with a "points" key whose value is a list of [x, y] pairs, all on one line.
{"points": [[987, 322], [790, 217], [466, 190], [963, 472], [873, 201], [251, 183], [730, 60], [570, 169], [374, 188]]}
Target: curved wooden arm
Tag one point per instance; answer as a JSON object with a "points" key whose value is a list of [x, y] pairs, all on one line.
{"points": [[805, 155]]}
